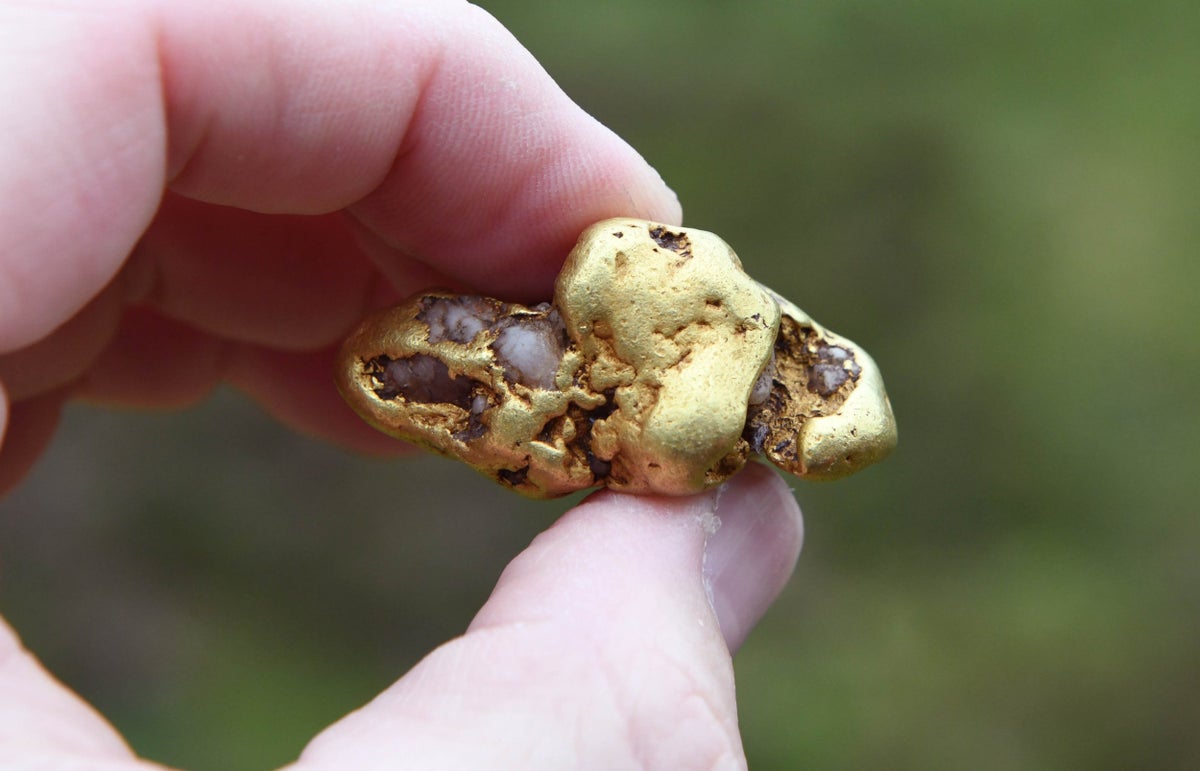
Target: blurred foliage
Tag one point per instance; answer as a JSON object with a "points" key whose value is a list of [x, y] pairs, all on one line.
{"points": [[997, 199]]}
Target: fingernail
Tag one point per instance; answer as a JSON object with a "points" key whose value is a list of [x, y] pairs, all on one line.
{"points": [[750, 554]]}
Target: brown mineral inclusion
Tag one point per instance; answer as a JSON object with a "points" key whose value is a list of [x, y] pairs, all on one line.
{"points": [[659, 368]]}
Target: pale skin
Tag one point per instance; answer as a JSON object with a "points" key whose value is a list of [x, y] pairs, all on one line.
{"points": [[198, 192]]}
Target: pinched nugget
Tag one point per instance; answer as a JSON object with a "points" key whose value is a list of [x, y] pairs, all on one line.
{"points": [[659, 368]]}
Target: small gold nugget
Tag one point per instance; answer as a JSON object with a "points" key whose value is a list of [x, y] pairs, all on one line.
{"points": [[659, 367]]}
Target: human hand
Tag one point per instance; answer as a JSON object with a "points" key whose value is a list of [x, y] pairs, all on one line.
{"points": [[198, 192]]}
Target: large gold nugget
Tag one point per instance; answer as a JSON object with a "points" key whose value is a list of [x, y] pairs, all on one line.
{"points": [[659, 367]]}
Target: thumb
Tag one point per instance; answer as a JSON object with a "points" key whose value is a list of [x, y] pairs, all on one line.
{"points": [[617, 557], [606, 643]]}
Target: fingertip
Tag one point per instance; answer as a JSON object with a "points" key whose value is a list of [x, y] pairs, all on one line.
{"points": [[728, 552], [607, 560], [502, 170], [751, 556]]}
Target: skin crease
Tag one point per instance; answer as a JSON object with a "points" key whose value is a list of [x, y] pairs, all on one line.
{"points": [[225, 188]]}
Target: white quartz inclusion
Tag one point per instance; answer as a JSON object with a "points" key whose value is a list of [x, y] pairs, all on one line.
{"points": [[530, 350], [457, 319], [762, 386]]}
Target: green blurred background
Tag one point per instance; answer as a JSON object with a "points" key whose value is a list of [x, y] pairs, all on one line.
{"points": [[999, 200]]}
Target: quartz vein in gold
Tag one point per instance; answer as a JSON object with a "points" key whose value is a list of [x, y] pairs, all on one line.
{"points": [[659, 368]]}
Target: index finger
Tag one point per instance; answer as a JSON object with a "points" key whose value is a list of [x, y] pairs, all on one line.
{"points": [[437, 130]]}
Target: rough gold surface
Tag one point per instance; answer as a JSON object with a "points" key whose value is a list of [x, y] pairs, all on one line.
{"points": [[828, 414], [659, 368]]}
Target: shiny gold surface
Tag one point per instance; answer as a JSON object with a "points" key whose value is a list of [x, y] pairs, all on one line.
{"points": [[655, 343]]}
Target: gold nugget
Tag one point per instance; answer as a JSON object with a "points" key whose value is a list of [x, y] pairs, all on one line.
{"points": [[659, 367]]}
